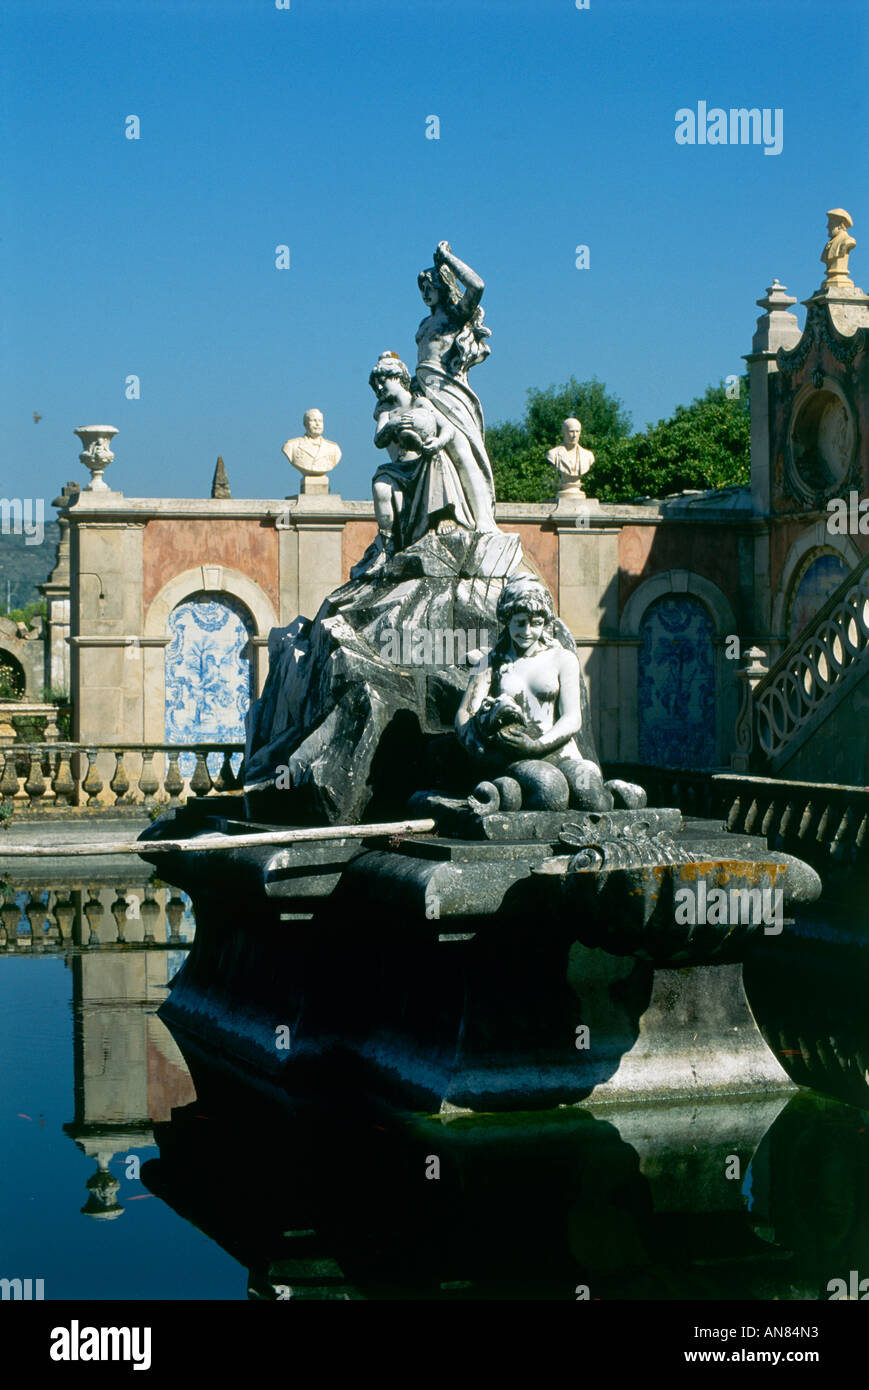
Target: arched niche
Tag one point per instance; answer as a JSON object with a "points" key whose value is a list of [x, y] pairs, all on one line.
{"points": [[676, 686], [815, 541], [209, 676], [818, 578], [13, 680], [220, 582], [674, 629]]}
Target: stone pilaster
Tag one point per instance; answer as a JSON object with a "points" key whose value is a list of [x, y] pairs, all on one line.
{"points": [[310, 552], [588, 573], [776, 328], [106, 621], [55, 591]]}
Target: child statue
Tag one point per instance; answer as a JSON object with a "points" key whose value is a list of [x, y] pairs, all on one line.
{"points": [[417, 489]]}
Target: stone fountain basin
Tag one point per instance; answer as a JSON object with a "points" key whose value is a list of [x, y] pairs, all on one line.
{"points": [[703, 912], [536, 961]]}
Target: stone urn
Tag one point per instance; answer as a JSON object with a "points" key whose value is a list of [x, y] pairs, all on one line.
{"points": [[96, 454]]}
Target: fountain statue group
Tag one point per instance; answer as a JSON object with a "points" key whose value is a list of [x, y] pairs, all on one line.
{"points": [[438, 475], [522, 710], [455, 970], [522, 722]]}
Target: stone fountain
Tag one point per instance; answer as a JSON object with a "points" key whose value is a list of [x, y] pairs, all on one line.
{"points": [[543, 938]]}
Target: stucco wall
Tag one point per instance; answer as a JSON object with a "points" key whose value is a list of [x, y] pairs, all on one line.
{"points": [[170, 547]]}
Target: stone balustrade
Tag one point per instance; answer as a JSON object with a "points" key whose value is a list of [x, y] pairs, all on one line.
{"points": [[40, 777], [825, 824], [15, 712], [44, 920]]}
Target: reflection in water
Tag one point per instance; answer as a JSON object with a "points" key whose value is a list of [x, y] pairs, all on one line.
{"points": [[128, 1070], [750, 1198], [621, 1203], [123, 940], [808, 993], [42, 919]]}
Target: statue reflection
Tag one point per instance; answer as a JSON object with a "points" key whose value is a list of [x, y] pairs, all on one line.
{"points": [[674, 1201]]}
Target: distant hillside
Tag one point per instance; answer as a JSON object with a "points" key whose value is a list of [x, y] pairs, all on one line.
{"points": [[24, 566]]}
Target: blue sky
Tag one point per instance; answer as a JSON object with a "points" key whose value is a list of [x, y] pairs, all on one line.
{"points": [[306, 127]]}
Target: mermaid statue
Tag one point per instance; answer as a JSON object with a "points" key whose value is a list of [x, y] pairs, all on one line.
{"points": [[523, 720]]}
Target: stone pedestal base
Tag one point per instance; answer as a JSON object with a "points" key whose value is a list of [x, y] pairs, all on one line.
{"points": [[571, 504], [316, 484]]}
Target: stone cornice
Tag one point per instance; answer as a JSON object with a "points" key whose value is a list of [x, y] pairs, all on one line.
{"points": [[102, 639], [334, 512]]}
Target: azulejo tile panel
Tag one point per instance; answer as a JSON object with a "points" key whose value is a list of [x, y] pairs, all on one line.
{"points": [[208, 670], [822, 578], [676, 687]]}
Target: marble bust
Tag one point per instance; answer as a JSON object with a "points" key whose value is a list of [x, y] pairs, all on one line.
{"points": [[570, 459], [313, 455], [838, 248]]}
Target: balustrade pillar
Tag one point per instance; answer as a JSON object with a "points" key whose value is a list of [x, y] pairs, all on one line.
{"points": [[64, 915], [200, 782], [119, 912], [34, 911], [94, 912], [9, 780], [148, 782], [175, 916], [10, 913], [751, 673], [120, 783], [34, 783], [62, 781], [150, 914], [93, 782], [174, 782]]}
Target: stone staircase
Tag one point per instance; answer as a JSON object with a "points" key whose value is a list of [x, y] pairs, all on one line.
{"points": [[810, 712]]}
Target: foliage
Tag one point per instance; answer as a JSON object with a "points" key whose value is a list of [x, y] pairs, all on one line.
{"points": [[29, 728], [60, 697], [7, 811], [38, 608], [704, 445], [64, 724], [11, 685]]}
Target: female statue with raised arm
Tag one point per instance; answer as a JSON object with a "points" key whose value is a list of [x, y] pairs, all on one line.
{"points": [[451, 341]]}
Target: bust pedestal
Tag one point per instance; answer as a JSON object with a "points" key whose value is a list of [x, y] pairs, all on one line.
{"points": [[314, 483]]}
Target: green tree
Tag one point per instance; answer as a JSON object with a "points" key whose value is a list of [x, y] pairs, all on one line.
{"points": [[518, 449], [704, 445]]}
